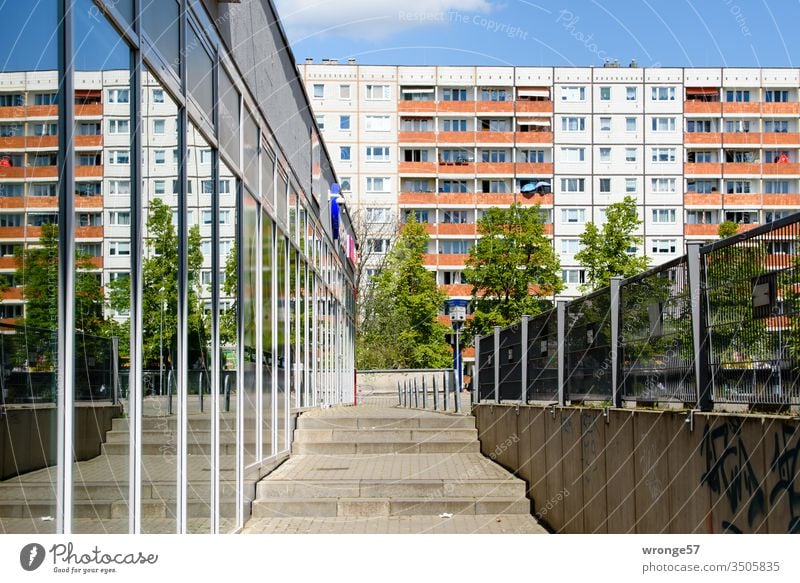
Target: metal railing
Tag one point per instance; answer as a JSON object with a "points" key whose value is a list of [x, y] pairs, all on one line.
{"points": [[718, 325], [434, 392]]}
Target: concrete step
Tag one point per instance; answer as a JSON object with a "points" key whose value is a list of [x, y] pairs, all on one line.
{"points": [[167, 448], [384, 447], [198, 422], [384, 435], [107, 509], [432, 421], [155, 436], [483, 489], [110, 490], [376, 507]]}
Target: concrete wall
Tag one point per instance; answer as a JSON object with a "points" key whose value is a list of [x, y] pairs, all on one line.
{"points": [[649, 471], [28, 436], [385, 381]]}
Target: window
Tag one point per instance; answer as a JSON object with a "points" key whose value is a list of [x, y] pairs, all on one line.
{"points": [[742, 217], [532, 156], [770, 216], [664, 216], [737, 95], [42, 189], [605, 94], [453, 186], [740, 156], [630, 93], [663, 124], [11, 100], [159, 187], [381, 154], [630, 124], [119, 187], [379, 214], [702, 217], [344, 152], [573, 124], [630, 154], [85, 159], [573, 276], [570, 246], [344, 122], [378, 92], [573, 154], [8, 130], [605, 154], [454, 246], [87, 188], [703, 126], [378, 246], [158, 96], [344, 91], [494, 95], [698, 157], [119, 157], [377, 184], [573, 94], [119, 248], [159, 127], [573, 184], [495, 125], [737, 125], [413, 124], [605, 185], [454, 217], [345, 184], [576, 216], [663, 246], [701, 186], [319, 90], [48, 129], [776, 126], [11, 220], [89, 128], [453, 278], [320, 119], [664, 185], [45, 98], [379, 123], [419, 215], [159, 157], [454, 95], [454, 125], [454, 157], [662, 94], [205, 156], [493, 186], [777, 187], [737, 186], [776, 96], [493, 156], [119, 218], [605, 124], [118, 96], [663, 154], [630, 185]]}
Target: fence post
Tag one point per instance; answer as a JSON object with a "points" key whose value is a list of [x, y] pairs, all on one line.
{"points": [[523, 394], [424, 394], [561, 314], [435, 395], [476, 395], [416, 394], [699, 328], [616, 393], [200, 389], [114, 370], [399, 395], [496, 364]]}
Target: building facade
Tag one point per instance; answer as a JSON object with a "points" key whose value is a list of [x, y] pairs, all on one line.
{"points": [[177, 283], [694, 147]]}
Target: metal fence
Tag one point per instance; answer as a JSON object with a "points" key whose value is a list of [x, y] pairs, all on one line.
{"points": [[434, 392], [718, 325]]}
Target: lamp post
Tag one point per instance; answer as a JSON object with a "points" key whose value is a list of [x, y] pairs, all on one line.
{"points": [[161, 348], [458, 315]]}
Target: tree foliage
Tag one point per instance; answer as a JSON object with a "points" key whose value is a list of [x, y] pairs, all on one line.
{"points": [[512, 268], [605, 250], [400, 327]]}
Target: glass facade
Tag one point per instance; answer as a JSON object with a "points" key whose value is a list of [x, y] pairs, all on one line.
{"points": [[171, 290]]}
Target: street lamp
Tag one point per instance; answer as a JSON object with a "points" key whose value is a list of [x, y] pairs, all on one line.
{"points": [[161, 348], [458, 315]]}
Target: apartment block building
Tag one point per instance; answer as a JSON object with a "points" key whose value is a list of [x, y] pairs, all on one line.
{"points": [[694, 147]]}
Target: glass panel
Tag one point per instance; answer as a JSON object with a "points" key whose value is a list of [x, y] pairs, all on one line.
{"points": [[302, 333], [280, 198], [267, 359], [161, 22], [294, 335], [250, 307], [29, 272], [228, 103], [268, 175], [199, 75], [251, 138], [102, 282], [159, 305], [282, 341], [201, 253], [228, 348]]}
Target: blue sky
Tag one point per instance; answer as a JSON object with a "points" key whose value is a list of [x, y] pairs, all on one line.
{"points": [[680, 33]]}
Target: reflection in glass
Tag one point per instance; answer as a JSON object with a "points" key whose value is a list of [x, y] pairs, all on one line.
{"points": [[267, 344], [282, 343], [161, 23], [250, 308]]}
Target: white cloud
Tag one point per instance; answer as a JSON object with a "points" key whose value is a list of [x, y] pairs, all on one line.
{"points": [[370, 19]]}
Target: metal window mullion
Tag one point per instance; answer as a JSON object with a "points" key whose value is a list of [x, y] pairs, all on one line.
{"points": [[214, 367], [258, 379], [136, 290], [274, 332], [239, 351], [66, 272], [616, 390], [287, 401]]}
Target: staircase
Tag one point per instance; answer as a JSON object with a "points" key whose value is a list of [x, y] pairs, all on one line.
{"points": [[371, 469]]}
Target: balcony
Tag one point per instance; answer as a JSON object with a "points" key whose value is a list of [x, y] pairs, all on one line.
{"points": [[456, 137], [744, 168], [416, 106], [781, 200], [458, 289], [88, 202], [534, 137], [780, 108], [740, 107], [417, 137], [12, 172], [495, 168], [713, 199], [46, 202], [456, 107], [455, 199], [13, 142], [92, 232], [535, 168], [456, 260], [731, 138], [12, 293], [702, 138], [700, 230], [88, 171], [88, 141], [48, 171], [413, 198], [416, 168], [12, 112], [495, 106], [703, 168], [89, 110], [8, 262], [748, 199], [42, 142], [780, 139], [456, 168], [702, 107], [12, 233], [780, 169], [430, 259], [469, 229], [534, 107], [530, 198], [497, 198], [12, 202], [489, 137]]}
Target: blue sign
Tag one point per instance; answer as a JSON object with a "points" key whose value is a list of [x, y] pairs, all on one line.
{"points": [[335, 190]]}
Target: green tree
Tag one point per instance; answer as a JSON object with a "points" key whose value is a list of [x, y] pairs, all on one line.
{"points": [[727, 229], [512, 268], [605, 250], [401, 329], [227, 317]]}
